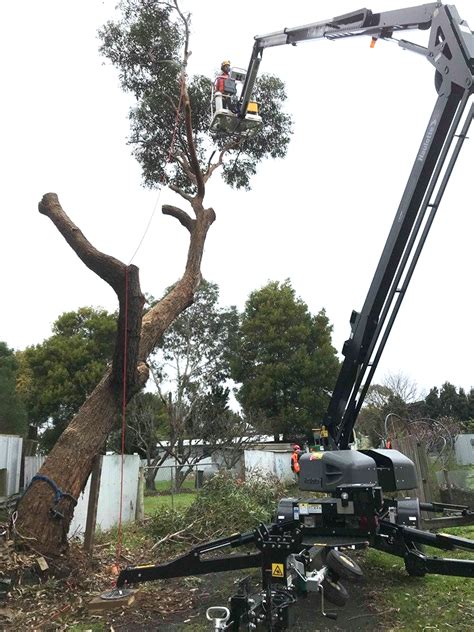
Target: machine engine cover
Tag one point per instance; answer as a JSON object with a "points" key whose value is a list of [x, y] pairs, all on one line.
{"points": [[352, 512], [395, 470], [325, 471]]}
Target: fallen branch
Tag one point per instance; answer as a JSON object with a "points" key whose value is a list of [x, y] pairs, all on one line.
{"points": [[172, 535]]}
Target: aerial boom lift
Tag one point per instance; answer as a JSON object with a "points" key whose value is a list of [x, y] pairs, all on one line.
{"points": [[451, 51], [356, 514]]}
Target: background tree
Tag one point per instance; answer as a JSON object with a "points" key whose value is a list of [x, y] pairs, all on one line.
{"points": [[449, 402], [146, 426], [432, 407], [453, 402], [225, 432], [190, 367], [57, 375], [12, 411], [284, 361], [397, 395], [212, 427], [444, 411]]}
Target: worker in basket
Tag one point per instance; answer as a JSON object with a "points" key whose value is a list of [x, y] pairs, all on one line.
{"points": [[295, 457], [225, 85]]}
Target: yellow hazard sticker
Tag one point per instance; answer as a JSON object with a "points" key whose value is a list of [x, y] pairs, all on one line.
{"points": [[278, 570], [315, 456]]}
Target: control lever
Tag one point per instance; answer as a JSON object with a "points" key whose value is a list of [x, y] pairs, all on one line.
{"points": [[219, 615]]}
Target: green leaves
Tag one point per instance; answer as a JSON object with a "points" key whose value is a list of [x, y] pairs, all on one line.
{"points": [[223, 506], [284, 360], [146, 44], [58, 375], [12, 412], [194, 350]]}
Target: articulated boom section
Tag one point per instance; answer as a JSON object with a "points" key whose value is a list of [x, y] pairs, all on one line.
{"points": [[356, 23], [451, 51]]}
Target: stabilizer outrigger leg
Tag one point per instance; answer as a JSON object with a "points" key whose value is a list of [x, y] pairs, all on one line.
{"points": [[295, 559], [285, 558], [192, 563], [402, 541]]}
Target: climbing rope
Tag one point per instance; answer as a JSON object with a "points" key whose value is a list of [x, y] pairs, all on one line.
{"points": [[118, 550], [163, 176]]}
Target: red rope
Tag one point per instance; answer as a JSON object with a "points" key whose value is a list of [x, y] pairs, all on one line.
{"points": [[118, 550]]}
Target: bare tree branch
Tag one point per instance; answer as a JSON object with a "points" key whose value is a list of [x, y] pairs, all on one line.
{"points": [[180, 215], [182, 161], [234, 144], [180, 192], [122, 278], [107, 267]]}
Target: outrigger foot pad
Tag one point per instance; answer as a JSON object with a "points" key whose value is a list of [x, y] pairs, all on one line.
{"points": [[117, 593]]}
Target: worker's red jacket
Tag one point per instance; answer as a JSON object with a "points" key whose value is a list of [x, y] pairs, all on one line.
{"points": [[219, 83], [295, 466]]}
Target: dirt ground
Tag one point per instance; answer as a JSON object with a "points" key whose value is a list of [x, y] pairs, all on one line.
{"points": [[60, 601], [206, 591]]}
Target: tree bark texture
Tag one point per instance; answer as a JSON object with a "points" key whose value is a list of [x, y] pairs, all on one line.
{"points": [[70, 462]]}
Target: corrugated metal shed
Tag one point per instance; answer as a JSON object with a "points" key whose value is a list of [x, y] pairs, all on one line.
{"points": [[10, 462]]}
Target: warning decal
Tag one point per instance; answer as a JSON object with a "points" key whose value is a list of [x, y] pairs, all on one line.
{"points": [[278, 570]]}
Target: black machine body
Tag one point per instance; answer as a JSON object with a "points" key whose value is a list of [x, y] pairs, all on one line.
{"points": [[325, 471]]}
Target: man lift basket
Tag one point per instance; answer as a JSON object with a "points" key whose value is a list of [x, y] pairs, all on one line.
{"points": [[225, 104]]}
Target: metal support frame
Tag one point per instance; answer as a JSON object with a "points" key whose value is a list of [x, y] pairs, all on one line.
{"points": [[407, 237], [277, 541]]}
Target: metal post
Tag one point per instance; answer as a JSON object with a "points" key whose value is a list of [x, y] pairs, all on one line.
{"points": [[140, 507], [89, 534]]}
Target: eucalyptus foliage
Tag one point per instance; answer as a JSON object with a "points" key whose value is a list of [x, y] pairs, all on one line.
{"points": [[148, 46]]}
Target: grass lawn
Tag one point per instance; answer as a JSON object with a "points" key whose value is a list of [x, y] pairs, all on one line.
{"points": [[165, 486], [176, 501], [433, 602], [164, 499]]}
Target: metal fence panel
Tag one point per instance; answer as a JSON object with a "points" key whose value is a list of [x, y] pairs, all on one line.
{"points": [[10, 460]]}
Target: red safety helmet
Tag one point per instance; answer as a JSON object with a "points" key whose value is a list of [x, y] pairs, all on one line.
{"points": [[295, 446]]}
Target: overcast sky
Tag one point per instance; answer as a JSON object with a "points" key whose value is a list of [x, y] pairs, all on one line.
{"points": [[320, 217]]}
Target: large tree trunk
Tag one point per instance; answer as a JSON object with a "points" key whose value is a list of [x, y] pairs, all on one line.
{"points": [[70, 462], [68, 465]]}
